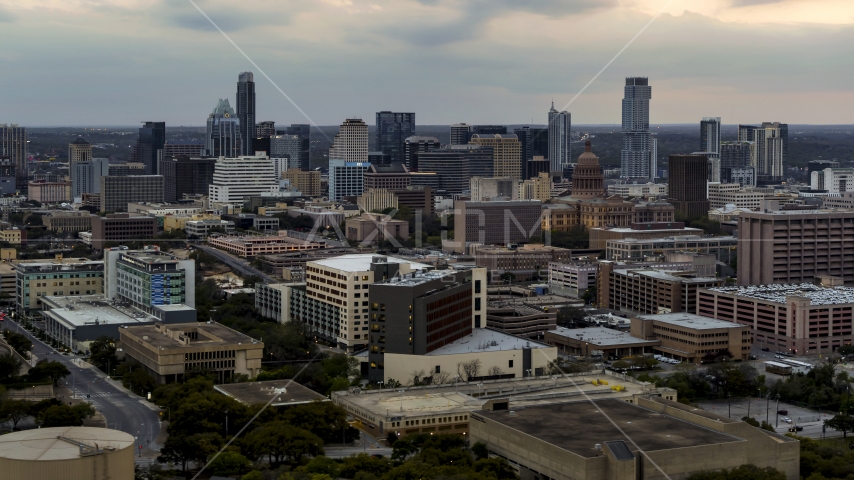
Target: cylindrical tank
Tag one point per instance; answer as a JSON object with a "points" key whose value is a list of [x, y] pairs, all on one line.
{"points": [[67, 453]]}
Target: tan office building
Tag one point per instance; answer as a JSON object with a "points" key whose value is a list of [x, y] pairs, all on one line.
{"points": [[121, 227], [50, 192], [308, 183], [690, 338], [169, 351], [375, 228], [78, 221], [793, 247], [506, 153], [650, 289]]}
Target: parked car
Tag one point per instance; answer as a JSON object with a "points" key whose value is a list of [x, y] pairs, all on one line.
{"points": [[796, 428], [787, 419], [782, 412], [766, 349]]}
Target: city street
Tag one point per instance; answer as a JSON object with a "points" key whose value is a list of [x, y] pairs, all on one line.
{"points": [[123, 410]]}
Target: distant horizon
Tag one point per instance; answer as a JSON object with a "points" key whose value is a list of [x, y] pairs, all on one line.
{"points": [[541, 125]]}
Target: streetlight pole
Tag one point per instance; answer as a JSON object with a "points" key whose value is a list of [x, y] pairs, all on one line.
{"points": [[729, 406], [226, 423], [777, 415]]}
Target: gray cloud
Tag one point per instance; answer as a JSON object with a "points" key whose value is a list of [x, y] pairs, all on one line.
{"points": [[6, 16]]}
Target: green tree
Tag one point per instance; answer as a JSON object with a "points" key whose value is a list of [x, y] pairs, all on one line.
{"points": [[324, 419], [10, 365], [364, 463], [322, 465], [18, 342], [842, 422], [102, 353], [480, 451], [15, 410], [228, 464], [253, 475], [55, 371], [283, 443], [138, 381], [744, 472], [65, 416]]}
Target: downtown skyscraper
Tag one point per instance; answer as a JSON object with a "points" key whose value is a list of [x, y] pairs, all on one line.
{"points": [[392, 131], [222, 135], [637, 160], [246, 111], [560, 125], [13, 145], [152, 138], [710, 136]]}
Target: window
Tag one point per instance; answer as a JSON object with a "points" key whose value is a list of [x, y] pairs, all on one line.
{"points": [[510, 364], [438, 369], [477, 304], [477, 321], [477, 286]]}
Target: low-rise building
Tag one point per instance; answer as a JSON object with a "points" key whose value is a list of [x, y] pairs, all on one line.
{"points": [[272, 301], [74, 322], [630, 249], [803, 319], [726, 213], [600, 236], [572, 279], [288, 393], [200, 229], [375, 228], [528, 261], [179, 222], [49, 192], [691, 338], [70, 277], [495, 223], [168, 352], [721, 194], [596, 341], [163, 209], [645, 190], [520, 320], [676, 440], [121, 228], [650, 289], [68, 221], [251, 246], [13, 236]]}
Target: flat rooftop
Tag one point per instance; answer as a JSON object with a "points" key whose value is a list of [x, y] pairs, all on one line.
{"points": [[487, 340], [687, 231], [70, 264], [362, 262], [680, 238], [287, 393], [817, 294], [150, 256], [604, 337], [421, 276], [691, 320], [651, 431], [83, 310], [212, 334]]}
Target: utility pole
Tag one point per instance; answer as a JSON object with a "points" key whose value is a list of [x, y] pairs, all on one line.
{"points": [[777, 415]]}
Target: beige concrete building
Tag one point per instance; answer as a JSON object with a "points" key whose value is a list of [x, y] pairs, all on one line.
{"points": [[599, 236], [795, 318], [594, 341], [486, 189], [79, 151], [506, 153], [65, 221], [169, 351], [726, 213], [50, 192], [792, 246], [179, 222], [376, 199], [342, 283], [690, 338], [523, 262], [539, 188], [67, 453], [308, 183], [633, 249], [375, 228], [676, 439], [721, 194], [13, 236], [251, 246]]}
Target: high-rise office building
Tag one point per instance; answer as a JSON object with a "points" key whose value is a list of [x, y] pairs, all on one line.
{"points": [[346, 178], [736, 154], [636, 159], [286, 146], [117, 192], [560, 126], [13, 145], [392, 131], [152, 137], [236, 178], [86, 176], [192, 148], [772, 144], [745, 133], [303, 131], [535, 143], [489, 129], [460, 134], [149, 278], [222, 137], [79, 151], [414, 145], [506, 153], [687, 177], [265, 129], [455, 165], [351, 142], [246, 111], [710, 136], [185, 175]]}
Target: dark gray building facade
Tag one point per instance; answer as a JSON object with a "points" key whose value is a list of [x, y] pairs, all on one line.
{"points": [[393, 129], [246, 111]]}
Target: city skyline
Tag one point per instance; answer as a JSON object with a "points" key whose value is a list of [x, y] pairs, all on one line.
{"points": [[331, 69]]}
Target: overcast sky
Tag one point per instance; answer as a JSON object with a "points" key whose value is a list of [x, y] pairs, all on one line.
{"points": [[119, 62]]}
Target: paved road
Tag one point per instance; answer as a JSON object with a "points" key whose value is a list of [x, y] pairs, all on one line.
{"points": [[123, 410], [239, 265]]}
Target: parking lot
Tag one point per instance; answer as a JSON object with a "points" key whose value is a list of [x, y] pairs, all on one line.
{"points": [[762, 409]]}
